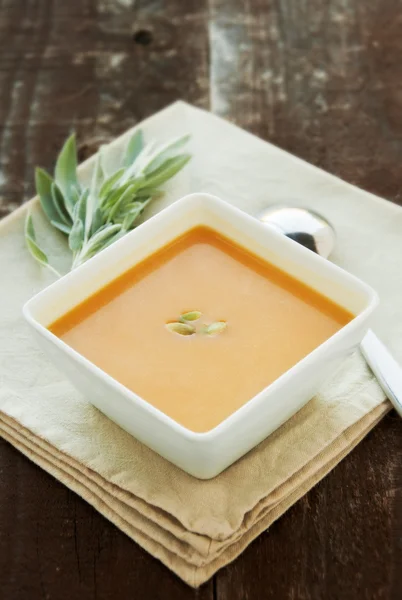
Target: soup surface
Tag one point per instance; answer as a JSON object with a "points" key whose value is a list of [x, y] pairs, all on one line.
{"points": [[272, 321]]}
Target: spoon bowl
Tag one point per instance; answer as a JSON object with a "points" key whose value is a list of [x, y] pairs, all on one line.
{"points": [[302, 225]]}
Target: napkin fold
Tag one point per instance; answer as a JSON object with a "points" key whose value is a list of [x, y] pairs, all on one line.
{"points": [[196, 527]]}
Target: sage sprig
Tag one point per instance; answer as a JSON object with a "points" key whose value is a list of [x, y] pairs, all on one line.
{"points": [[93, 217]]}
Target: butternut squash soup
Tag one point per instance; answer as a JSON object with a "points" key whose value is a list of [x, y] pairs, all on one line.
{"points": [[200, 327]]}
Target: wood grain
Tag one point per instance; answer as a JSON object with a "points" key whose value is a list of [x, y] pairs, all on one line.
{"points": [[342, 540], [321, 79]]}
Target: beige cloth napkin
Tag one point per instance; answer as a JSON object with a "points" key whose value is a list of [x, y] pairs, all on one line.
{"points": [[196, 527]]}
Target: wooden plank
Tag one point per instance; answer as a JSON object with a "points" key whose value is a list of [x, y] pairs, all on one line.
{"points": [[341, 540], [82, 64], [319, 79], [54, 545]]}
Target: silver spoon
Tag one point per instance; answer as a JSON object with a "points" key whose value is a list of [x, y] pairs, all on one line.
{"points": [[314, 231]]}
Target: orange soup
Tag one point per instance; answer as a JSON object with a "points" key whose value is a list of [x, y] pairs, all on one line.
{"points": [[270, 322]]}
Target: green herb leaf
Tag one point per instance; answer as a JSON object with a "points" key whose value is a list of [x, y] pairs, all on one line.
{"points": [[124, 199], [61, 226], [143, 158], [92, 203], [134, 147], [75, 196], [180, 328], [60, 205], [165, 153], [146, 194], [168, 169], [33, 247], [65, 203], [97, 177], [43, 184], [97, 221], [66, 168], [80, 206], [136, 209], [103, 238], [76, 237], [115, 195], [109, 183], [98, 240], [29, 228], [77, 234]]}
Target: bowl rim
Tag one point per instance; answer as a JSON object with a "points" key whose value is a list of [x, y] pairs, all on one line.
{"points": [[251, 404]]}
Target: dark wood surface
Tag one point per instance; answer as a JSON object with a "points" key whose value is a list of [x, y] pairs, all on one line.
{"points": [[322, 79]]}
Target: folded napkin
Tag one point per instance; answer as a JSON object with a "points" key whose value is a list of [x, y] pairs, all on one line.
{"points": [[196, 527]]}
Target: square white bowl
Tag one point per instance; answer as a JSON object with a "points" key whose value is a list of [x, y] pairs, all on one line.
{"points": [[203, 455]]}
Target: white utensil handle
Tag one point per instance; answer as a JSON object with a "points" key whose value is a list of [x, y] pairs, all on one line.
{"points": [[387, 371]]}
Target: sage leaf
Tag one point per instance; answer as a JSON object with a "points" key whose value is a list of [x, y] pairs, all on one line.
{"points": [[168, 169], [65, 203], [97, 221], [180, 328], [141, 161], [75, 196], [109, 183], [76, 237], [134, 147], [66, 168], [92, 200], [60, 205], [147, 192], [80, 206], [77, 233], [36, 251], [101, 236], [33, 247], [216, 328], [125, 197], [97, 177], [165, 153], [193, 315], [116, 194], [43, 184], [136, 209], [61, 226], [111, 239]]}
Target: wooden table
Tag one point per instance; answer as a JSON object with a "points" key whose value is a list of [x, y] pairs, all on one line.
{"points": [[322, 79]]}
